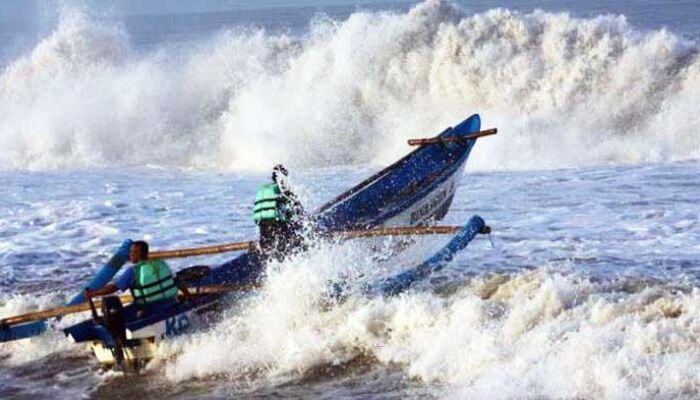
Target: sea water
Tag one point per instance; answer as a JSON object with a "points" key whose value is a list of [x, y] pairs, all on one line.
{"points": [[158, 121]]}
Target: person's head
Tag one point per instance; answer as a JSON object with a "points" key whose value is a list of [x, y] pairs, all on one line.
{"points": [[138, 251], [279, 173]]}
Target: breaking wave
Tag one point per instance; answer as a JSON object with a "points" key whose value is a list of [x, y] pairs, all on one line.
{"points": [[536, 334], [563, 91]]}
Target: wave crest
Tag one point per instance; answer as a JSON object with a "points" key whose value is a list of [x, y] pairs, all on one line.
{"points": [[564, 92]]}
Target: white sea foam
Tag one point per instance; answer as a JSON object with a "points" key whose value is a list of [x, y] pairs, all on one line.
{"points": [[548, 333], [563, 91], [35, 348], [529, 334]]}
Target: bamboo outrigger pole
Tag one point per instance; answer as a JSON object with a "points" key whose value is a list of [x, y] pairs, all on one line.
{"points": [[211, 289], [200, 251], [400, 231], [456, 139], [125, 299], [237, 246], [420, 230]]}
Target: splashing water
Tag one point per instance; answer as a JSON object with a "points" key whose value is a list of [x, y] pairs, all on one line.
{"points": [[564, 91], [589, 292], [501, 336]]}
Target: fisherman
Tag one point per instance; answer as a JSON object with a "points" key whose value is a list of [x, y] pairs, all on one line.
{"points": [[150, 281], [279, 216]]}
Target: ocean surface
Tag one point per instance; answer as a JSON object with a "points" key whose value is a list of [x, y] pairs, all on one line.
{"points": [[158, 120]]}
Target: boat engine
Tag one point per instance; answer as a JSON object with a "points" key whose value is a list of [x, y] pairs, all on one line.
{"points": [[114, 321], [113, 317]]}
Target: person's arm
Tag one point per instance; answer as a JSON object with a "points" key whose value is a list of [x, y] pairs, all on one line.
{"points": [[298, 208], [103, 291], [123, 282], [292, 201], [126, 280]]}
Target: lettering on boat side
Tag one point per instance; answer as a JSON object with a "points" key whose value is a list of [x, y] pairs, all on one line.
{"points": [[429, 207], [176, 325]]}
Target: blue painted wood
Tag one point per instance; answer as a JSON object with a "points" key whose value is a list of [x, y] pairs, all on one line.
{"points": [[23, 331], [367, 205], [401, 185], [405, 280], [101, 278], [378, 198]]}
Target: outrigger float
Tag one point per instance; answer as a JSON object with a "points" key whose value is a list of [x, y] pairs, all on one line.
{"points": [[404, 198]]}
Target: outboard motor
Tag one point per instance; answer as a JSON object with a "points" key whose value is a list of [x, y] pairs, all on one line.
{"points": [[114, 321], [113, 317]]}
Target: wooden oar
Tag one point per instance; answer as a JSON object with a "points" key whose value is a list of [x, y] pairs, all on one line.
{"points": [[237, 246], [125, 299], [456, 139]]}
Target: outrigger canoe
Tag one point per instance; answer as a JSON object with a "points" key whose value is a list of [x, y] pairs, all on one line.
{"points": [[416, 190]]}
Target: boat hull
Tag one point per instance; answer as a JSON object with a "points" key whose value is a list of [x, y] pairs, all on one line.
{"points": [[432, 207], [142, 343], [416, 190]]}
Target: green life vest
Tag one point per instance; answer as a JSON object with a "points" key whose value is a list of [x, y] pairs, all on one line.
{"points": [[270, 205], [153, 281]]}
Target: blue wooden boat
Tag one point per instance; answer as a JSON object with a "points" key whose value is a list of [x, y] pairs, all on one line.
{"points": [[417, 189]]}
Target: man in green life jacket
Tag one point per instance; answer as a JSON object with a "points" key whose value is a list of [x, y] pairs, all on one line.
{"points": [[278, 214], [150, 281]]}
